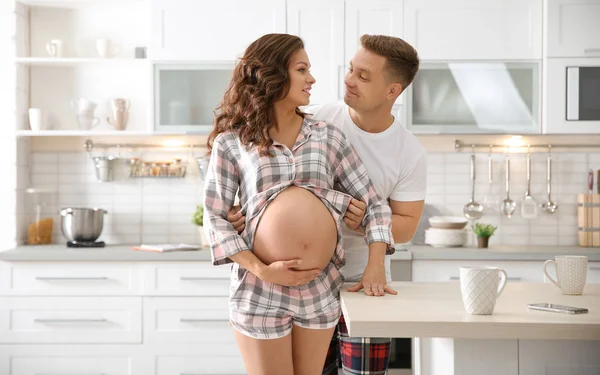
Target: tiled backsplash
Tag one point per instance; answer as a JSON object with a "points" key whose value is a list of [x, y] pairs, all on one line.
{"points": [[140, 210], [159, 210], [449, 189]]}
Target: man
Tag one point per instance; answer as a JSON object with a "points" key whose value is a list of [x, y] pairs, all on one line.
{"points": [[379, 72]]}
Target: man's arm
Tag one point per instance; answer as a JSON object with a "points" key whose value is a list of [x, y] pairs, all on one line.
{"points": [[405, 219]]}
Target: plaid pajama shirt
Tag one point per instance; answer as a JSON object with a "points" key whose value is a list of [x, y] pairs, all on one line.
{"points": [[320, 160]]}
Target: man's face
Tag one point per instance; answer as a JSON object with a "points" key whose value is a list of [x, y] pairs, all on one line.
{"points": [[367, 83]]}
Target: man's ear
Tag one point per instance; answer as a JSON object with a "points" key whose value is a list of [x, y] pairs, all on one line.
{"points": [[395, 90]]}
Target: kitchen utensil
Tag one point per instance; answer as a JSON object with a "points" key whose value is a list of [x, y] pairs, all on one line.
{"points": [[528, 205], [490, 201], [598, 182], [87, 121], [480, 288], [83, 105], [473, 210], [104, 166], [508, 205], [590, 182], [550, 207], [203, 166], [55, 48], [120, 103], [82, 224]]}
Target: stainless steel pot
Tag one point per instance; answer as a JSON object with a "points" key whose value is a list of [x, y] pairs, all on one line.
{"points": [[82, 224]]}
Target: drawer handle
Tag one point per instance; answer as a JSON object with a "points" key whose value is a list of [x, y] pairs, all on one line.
{"points": [[186, 320], [70, 320], [54, 278], [595, 268], [508, 278], [191, 278], [46, 373], [589, 51]]}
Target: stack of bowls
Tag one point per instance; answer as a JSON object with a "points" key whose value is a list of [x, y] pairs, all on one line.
{"points": [[446, 231]]}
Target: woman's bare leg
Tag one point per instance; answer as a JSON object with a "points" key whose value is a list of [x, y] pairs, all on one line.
{"points": [[310, 349], [266, 357]]}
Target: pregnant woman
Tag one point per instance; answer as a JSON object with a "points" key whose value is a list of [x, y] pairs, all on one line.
{"points": [[284, 296]]}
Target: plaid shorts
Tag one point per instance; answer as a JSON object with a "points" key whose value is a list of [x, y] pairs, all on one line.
{"points": [[264, 310], [357, 355]]}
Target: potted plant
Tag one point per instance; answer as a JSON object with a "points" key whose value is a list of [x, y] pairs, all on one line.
{"points": [[198, 219], [483, 233]]}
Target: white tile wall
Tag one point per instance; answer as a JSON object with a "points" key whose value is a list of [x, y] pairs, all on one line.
{"points": [[140, 210], [449, 189], [155, 210]]}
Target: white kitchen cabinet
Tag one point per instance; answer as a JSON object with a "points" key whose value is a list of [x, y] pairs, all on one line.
{"points": [[537, 357], [377, 17], [73, 320], [69, 279], [473, 29], [187, 320], [573, 28], [555, 97], [192, 30], [321, 25], [186, 279]]}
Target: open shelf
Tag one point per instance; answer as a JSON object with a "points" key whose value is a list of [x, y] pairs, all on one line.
{"points": [[72, 4], [75, 61], [79, 133]]}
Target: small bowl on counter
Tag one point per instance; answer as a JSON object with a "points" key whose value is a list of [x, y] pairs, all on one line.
{"points": [[448, 222]]}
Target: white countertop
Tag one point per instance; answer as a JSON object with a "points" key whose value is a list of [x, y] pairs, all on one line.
{"points": [[115, 253], [436, 310]]}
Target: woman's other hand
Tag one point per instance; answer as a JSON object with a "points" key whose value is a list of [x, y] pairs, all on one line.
{"points": [[285, 273], [235, 217], [355, 215]]}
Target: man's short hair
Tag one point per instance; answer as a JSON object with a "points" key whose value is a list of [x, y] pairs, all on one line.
{"points": [[402, 59]]}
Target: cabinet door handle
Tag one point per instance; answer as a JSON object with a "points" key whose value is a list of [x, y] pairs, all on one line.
{"points": [[70, 320], [192, 278], [47, 373], [595, 268], [162, 28], [191, 320], [340, 80], [591, 51], [453, 278], [55, 278]]}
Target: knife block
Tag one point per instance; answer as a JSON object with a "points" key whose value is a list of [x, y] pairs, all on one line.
{"points": [[588, 220]]}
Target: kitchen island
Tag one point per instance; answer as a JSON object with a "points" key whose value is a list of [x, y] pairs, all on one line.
{"points": [[511, 341]]}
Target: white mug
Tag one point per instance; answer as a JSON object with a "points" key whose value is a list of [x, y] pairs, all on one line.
{"points": [[106, 49], [571, 273], [87, 121], [480, 288], [35, 119], [55, 48], [83, 105]]}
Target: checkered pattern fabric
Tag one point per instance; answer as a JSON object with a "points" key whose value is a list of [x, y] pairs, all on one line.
{"points": [[357, 355], [320, 159], [267, 311]]}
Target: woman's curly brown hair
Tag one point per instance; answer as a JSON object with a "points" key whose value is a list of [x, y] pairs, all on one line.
{"points": [[259, 80]]}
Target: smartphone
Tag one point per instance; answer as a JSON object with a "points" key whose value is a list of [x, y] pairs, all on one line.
{"points": [[557, 308]]}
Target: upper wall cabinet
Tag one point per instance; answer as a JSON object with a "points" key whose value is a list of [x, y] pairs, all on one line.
{"points": [[192, 30], [332, 43], [378, 17], [474, 29], [573, 28], [321, 25]]}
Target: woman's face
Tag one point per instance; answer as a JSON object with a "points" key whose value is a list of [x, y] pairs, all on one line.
{"points": [[301, 80]]}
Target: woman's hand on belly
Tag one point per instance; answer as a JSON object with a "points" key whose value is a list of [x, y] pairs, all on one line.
{"points": [[284, 273]]}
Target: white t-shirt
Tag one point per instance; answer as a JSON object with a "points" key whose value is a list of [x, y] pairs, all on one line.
{"points": [[397, 166]]}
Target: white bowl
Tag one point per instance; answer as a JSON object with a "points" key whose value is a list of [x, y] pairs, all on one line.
{"points": [[448, 222]]}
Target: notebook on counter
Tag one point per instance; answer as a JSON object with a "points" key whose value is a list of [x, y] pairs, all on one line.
{"points": [[163, 248]]}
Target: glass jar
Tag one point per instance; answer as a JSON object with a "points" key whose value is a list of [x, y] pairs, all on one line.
{"points": [[134, 167], [40, 223]]}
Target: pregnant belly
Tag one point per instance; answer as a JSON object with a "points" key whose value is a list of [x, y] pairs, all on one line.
{"points": [[296, 225]]}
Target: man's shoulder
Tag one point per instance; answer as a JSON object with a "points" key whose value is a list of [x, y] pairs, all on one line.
{"points": [[327, 112], [411, 147]]}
